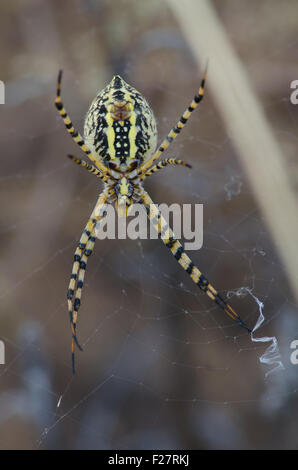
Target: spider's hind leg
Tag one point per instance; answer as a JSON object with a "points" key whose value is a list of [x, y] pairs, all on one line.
{"points": [[75, 284], [171, 242], [82, 253]]}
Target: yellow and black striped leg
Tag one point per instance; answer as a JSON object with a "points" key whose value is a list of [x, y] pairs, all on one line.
{"points": [[177, 129], [90, 168], [82, 252], [78, 292], [76, 136], [74, 283], [169, 239], [163, 164]]}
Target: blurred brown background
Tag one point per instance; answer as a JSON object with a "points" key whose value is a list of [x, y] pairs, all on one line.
{"points": [[162, 367]]}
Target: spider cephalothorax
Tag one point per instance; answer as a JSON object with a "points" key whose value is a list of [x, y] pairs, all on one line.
{"points": [[124, 193], [120, 138], [120, 126]]}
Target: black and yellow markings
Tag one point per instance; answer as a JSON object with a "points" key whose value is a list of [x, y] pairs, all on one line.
{"points": [[120, 125], [121, 140]]}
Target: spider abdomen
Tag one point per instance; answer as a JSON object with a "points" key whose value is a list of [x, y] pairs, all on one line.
{"points": [[120, 126]]}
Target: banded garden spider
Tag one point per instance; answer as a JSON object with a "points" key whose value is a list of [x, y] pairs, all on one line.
{"points": [[120, 139]]}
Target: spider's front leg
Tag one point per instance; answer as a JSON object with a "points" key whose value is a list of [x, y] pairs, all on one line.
{"points": [[177, 129], [82, 253], [76, 136], [169, 239]]}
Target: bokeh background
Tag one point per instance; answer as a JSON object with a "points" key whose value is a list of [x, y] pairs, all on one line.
{"points": [[162, 367]]}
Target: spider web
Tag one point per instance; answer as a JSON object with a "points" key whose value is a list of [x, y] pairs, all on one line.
{"points": [[162, 366]]}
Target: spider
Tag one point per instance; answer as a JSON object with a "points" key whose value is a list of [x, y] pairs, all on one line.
{"points": [[120, 138]]}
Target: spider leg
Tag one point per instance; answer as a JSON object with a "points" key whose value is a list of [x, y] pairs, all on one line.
{"points": [[163, 164], [90, 168], [78, 292], [83, 251], [180, 124], [76, 136], [169, 239]]}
